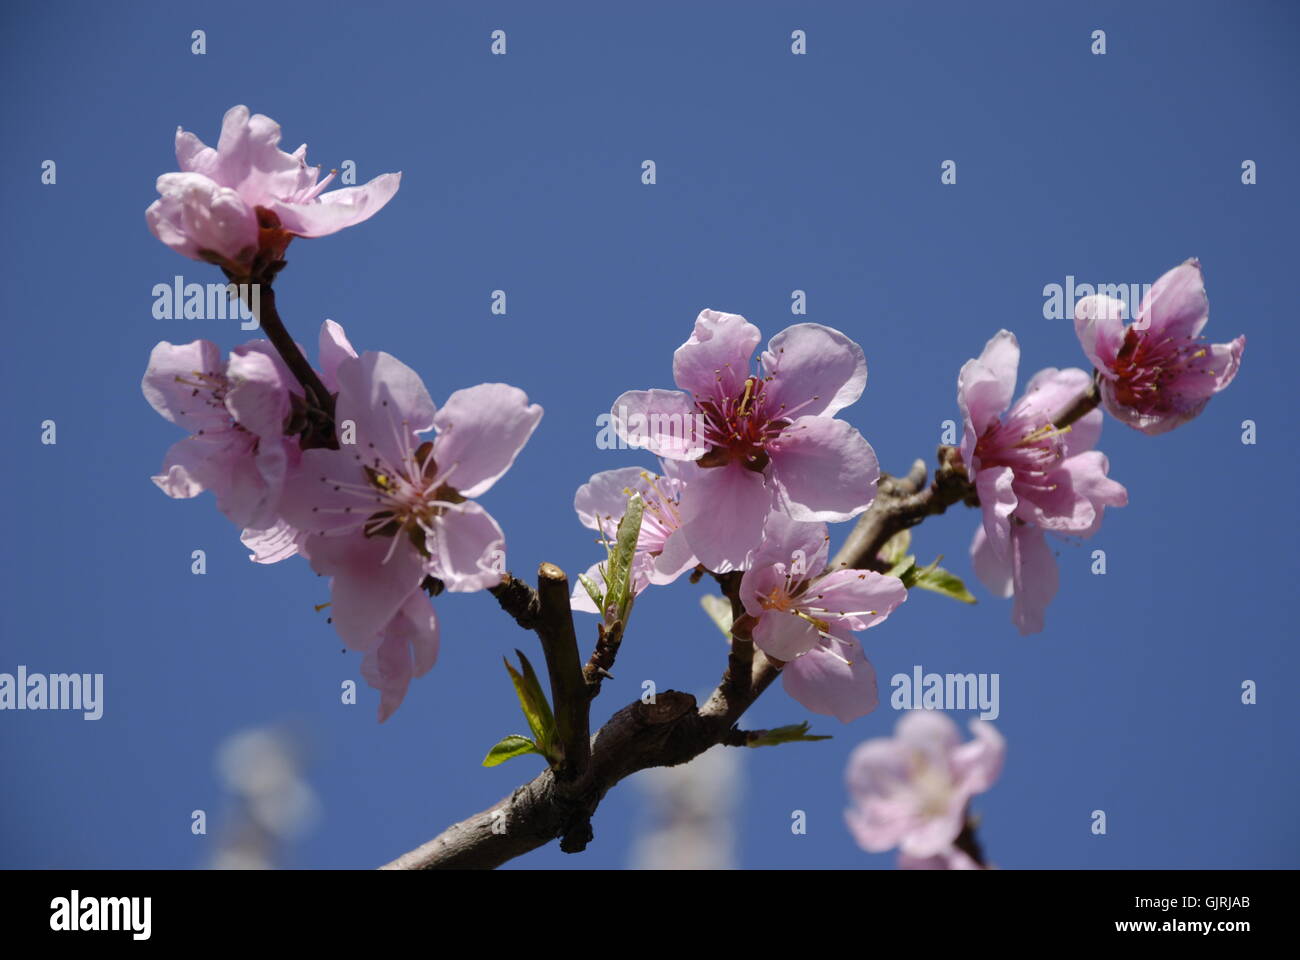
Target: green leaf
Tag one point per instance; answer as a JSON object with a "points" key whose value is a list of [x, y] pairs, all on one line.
{"points": [[905, 569], [593, 590], [794, 732], [719, 611], [509, 748], [618, 575], [896, 547], [942, 581], [533, 701]]}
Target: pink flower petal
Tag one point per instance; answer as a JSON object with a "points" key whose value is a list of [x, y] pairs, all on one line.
{"points": [[824, 683], [723, 511], [334, 347], [986, 385], [998, 502], [715, 360], [369, 586], [661, 421], [858, 599], [823, 469], [601, 501], [480, 433], [815, 370], [977, 763], [387, 402], [273, 544], [172, 388], [1176, 307], [1036, 578], [993, 569], [194, 216], [469, 549], [1099, 325], [337, 209]]}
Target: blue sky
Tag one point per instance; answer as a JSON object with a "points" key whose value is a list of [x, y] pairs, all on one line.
{"points": [[775, 172]]}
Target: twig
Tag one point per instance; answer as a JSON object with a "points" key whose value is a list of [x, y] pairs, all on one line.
{"points": [[568, 687]]}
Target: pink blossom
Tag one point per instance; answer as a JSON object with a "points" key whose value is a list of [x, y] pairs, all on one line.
{"points": [[662, 553], [763, 441], [235, 411], [911, 790], [806, 617], [383, 513], [208, 210], [950, 859], [281, 540], [1030, 475], [1158, 372]]}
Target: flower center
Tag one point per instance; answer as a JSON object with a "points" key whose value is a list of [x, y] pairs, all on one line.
{"points": [[1031, 448], [209, 390], [403, 498], [1145, 367], [932, 784]]}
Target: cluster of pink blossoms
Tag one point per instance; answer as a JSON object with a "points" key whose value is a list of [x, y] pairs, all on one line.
{"points": [[389, 514], [1036, 475], [754, 464]]}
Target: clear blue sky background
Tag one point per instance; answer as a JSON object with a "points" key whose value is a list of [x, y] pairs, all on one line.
{"points": [[775, 172]]}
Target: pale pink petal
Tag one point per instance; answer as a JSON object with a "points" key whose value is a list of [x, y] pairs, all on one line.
{"points": [[665, 422], [815, 371], [369, 586], [1036, 578], [1088, 478], [480, 433], [259, 394], [387, 669], [993, 569], [1099, 325], [173, 386], [195, 216], [986, 385], [1049, 393], [929, 731], [998, 502], [673, 560], [825, 683], [271, 545], [1176, 307], [387, 402], [334, 347], [859, 599], [602, 500], [222, 463], [408, 648], [800, 546], [823, 469], [950, 859], [337, 209], [468, 549], [783, 635], [715, 360], [723, 511], [877, 775], [977, 763]]}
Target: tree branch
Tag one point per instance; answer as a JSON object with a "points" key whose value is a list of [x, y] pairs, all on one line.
{"points": [[568, 686], [903, 502]]}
